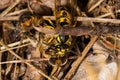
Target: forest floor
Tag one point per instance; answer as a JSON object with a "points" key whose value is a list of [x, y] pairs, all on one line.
{"points": [[59, 39]]}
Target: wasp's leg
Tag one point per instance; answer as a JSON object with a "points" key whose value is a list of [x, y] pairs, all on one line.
{"points": [[54, 61]]}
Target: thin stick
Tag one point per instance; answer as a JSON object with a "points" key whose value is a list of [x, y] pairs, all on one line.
{"points": [[31, 60], [91, 19], [108, 14], [10, 18], [23, 61], [103, 20], [15, 44], [94, 6], [9, 8], [79, 60], [89, 3], [54, 78], [13, 53], [16, 12], [16, 47]]}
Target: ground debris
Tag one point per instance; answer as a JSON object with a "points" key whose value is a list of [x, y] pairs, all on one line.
{"points": [[59, 39]]}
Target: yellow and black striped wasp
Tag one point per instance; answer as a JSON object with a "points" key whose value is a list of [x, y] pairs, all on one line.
{"points": [[28, 20], [60, 50]]}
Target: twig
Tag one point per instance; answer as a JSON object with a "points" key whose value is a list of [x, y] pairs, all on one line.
{"points": [[54, 78], [23, 61], [103, 20], [91, 19], [108, 14], [10, 18], [9, 8], [94, 6], [16, 47], [12, 52], [90, 2], [16, 12], [14, 72], [79, 60], [15, 44], [31, 60]]}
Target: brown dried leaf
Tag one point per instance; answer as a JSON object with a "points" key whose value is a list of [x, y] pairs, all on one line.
{"points": [[5, 3]]}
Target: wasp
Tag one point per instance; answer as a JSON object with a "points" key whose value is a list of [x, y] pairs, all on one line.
{"points": [[60, 50], [27, 20]]}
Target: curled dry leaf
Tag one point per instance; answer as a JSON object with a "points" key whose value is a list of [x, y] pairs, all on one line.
{"points": [[40, 8], [5, 3]]}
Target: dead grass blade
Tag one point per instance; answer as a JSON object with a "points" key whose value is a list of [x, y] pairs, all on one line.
{"points": [[10, 18], [94, 6], [92, 19], [23, 61], [9, 8]]}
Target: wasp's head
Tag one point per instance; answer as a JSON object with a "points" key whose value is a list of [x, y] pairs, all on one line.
{"points": [[25, 19], [61, 49]]}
